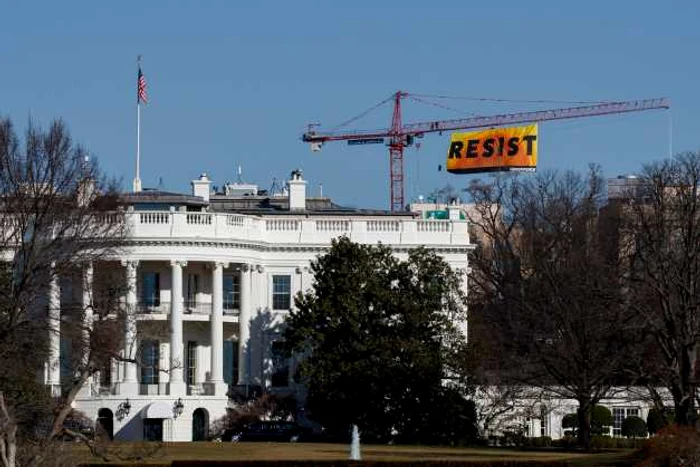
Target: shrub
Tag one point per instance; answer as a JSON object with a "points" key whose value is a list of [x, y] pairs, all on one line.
{"points": [[672, 446], [567, 442], [570, 420], [541, 442], [634, 427], [601, 419], [658, 419], [603, 442]]}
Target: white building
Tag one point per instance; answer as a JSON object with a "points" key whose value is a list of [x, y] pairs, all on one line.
{"points": [[211, 277]]}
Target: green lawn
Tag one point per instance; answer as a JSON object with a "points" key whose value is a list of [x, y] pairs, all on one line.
{"points": [[318, 451]]}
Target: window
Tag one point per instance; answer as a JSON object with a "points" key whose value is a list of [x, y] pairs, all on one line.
{"points": [[150, 289], [543, 420], [191, 363], [281, 292], [65, 359], [280, 365], [150, 361], [231, 362], [619, 415], [232, 292], [106, 375], [192, 290]]}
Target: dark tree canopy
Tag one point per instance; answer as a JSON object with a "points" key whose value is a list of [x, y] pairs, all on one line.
{"points": [[377, 338], [634, 427], [545, 285], [662, 239], [57, 214]]}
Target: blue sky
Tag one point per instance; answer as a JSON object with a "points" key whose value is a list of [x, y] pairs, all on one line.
{"points": [[236, 82]]}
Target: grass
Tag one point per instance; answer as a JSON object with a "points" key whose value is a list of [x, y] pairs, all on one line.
{"points": [[319, 451]]}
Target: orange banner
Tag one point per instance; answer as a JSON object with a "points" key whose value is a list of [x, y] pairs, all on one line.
{"points": [[497, 149]]}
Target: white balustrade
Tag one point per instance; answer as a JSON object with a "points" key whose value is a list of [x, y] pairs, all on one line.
{"points": [[154, 217], [296, 230], [433, 226], [383, 226], [332, 225], [198, 218], [233, 220], [282, 224]]}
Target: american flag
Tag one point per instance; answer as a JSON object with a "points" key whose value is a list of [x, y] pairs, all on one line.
{"points": [[141, 95]]}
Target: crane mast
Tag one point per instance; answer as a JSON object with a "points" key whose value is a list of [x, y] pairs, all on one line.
{"points": [[399, 135]]}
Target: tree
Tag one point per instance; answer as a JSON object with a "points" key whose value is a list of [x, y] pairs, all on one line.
{"points": [[658, 419], [546, 282], [601, 420], [634, 427], [58, 216], [661, 237], [377, 340]]}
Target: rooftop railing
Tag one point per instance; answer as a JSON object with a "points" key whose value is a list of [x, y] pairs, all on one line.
{"points": [[296, 230]]}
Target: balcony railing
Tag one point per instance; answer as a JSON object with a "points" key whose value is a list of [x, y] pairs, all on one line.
{"points": [[194, 307], [298, 230], [152, 307]]}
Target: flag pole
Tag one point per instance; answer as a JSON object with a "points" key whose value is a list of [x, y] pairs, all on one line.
{"points": [[137, 179]]}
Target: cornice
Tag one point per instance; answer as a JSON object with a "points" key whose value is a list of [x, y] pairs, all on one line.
{"points": [[282, 247]]}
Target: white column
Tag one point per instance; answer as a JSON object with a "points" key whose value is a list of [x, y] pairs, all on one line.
{"points": [[177, 360], [54, 325], [216, 375], [129, 384], [244, 327], [86, 390]]}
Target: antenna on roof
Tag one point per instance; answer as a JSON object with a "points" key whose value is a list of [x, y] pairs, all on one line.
{"points": [[239, 180], [276, 188], [160, 184]]}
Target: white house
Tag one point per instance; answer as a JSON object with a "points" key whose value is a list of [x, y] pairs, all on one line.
{"points": [[210, 278]]}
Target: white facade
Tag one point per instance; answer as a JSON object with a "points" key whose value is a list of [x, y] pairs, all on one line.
{"points": [[208, 292]]}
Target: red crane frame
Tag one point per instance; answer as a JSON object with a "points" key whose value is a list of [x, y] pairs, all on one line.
{"points": [[400, 135]]}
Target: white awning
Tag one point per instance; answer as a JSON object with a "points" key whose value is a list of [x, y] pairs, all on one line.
{"points": [[158, 409]]}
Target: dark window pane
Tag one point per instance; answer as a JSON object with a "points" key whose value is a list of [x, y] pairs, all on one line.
{"points": [[231, 362], [281, 292], [150, 359], [191, 363], [232, 292], [150, 289]]}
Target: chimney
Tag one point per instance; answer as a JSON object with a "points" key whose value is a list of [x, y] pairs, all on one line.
{"points": [[454, 209], [201, 187], [297, 191]]}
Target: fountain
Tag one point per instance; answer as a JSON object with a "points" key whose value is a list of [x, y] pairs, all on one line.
{"points": [[355, 445]]}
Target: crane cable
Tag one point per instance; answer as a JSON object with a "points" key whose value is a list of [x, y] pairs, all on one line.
{"points": [[354, 119], [522, 101], [442, 106]]}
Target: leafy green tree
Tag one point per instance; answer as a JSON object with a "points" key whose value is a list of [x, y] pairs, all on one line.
{"points": [[378, 340], [634, 427]]}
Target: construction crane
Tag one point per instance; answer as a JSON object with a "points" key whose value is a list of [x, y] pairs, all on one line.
{"points": [[400, 135]]}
